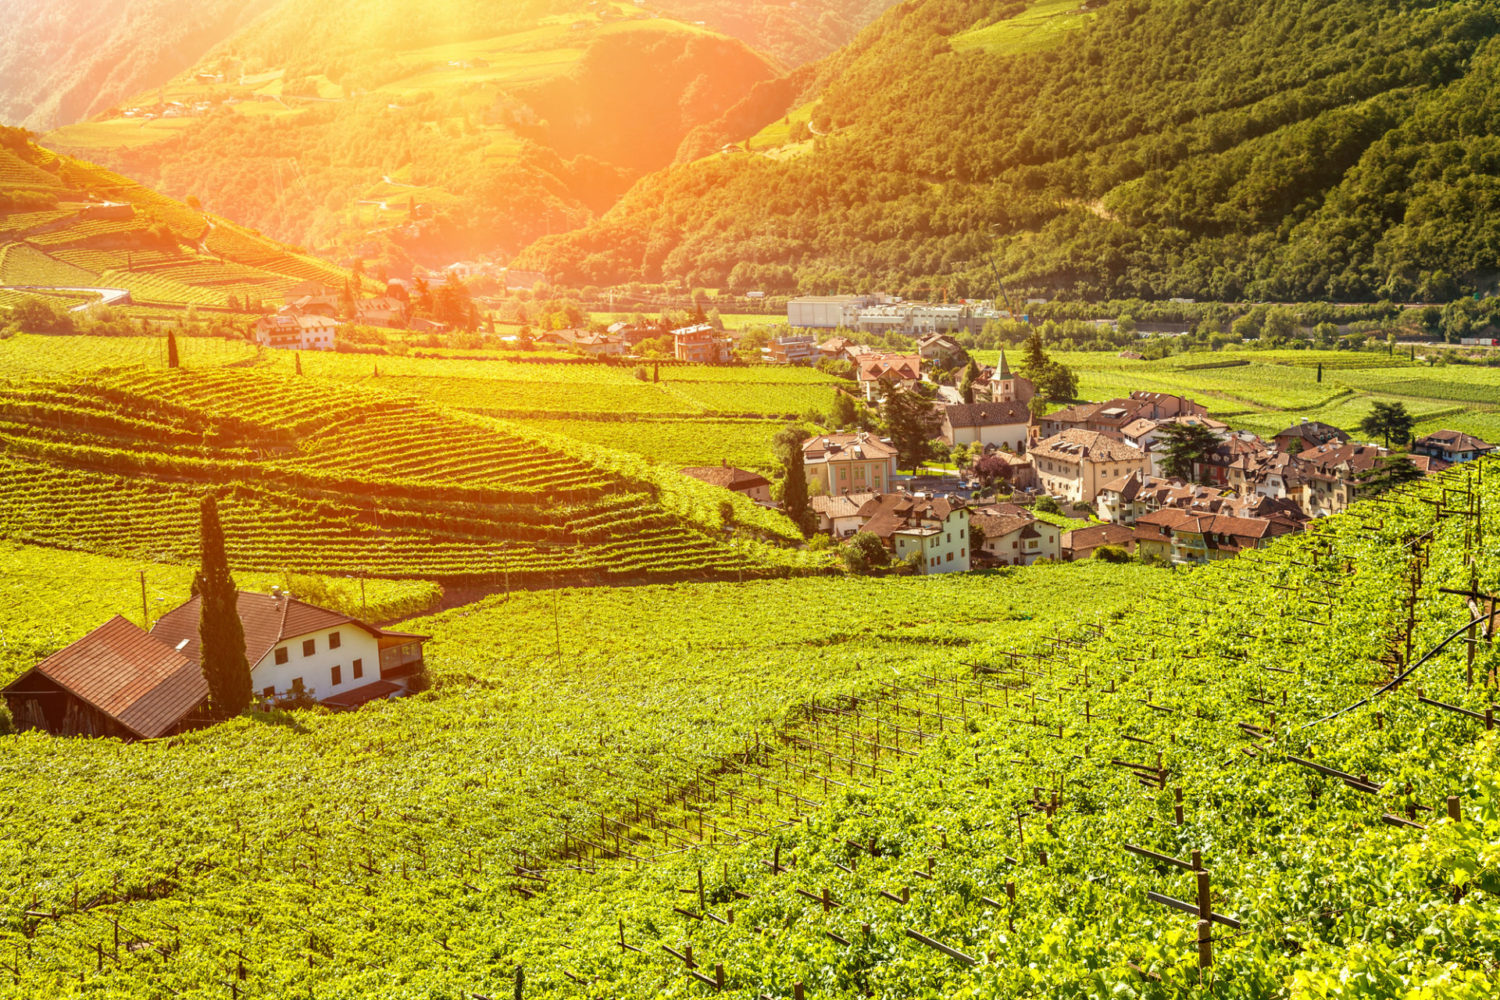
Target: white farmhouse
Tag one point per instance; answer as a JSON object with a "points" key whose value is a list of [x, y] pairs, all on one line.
{"points": [[297, 649], [297, 331]]}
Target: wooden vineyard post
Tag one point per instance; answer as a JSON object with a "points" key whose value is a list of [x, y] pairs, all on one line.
{"points": [[1205, 914], [1453, 809]]}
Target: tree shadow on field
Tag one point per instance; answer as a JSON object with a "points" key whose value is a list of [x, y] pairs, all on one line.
{"points": [[277, 717]]}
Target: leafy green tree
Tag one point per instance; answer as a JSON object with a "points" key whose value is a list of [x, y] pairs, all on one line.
{"points": [[1047, 505], [959, 456], [1054, 381], [1186, 445], [787, 446], [1390, 421], [865, 552], [905, 416], [1388, 472], [845, 410], [221, 634]]}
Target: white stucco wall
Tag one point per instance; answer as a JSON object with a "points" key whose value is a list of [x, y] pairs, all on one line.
{"points": [[316, 670]]}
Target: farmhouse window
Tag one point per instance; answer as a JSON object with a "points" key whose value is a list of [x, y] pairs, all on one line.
{"points": [[337, 675], [297, 685], [359, 669], [309, 647], [281, 655], [333, 640]]}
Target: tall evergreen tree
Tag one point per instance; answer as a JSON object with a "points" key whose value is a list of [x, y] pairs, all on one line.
{"points": [[220, 632], [173, 361], [787, 446]]}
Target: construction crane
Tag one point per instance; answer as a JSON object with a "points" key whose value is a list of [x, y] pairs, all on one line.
{"points": [[1000, 289]]}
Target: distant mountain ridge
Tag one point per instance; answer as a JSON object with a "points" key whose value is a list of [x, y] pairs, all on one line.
{"points": [[64, 60], [405, 129], [1334, 149]]}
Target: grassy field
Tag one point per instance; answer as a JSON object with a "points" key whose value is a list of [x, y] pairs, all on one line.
{"points": [[1041, 26]]}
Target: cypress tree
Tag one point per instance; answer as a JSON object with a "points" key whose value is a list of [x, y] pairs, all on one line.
{"points": [[220, 632], [298, 356], [173, 361], [787, 446]]}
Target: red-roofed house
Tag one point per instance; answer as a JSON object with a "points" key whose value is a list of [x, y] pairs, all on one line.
{"points": [[904, 369], [751, 484], [116, 681], [1075, 464], [1014, 537], [1081, 543], [1451, 446], [934, 532], [296, 648], [125, 682]]}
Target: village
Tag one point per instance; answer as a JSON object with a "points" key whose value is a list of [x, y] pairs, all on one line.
{"points": [[1019, 471]]}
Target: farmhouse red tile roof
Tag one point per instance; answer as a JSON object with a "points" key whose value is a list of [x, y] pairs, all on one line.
{"points": [[1329, 457], [1080, 413], [1096, 535], [889, 513], [727, 476], [844, 505], [986, 414], [873, 367], [130, 675], [846, 448], [998, 526], [267, 621]]}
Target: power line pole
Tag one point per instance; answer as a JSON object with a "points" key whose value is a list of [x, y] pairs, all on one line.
{"points": [[145, 613]]}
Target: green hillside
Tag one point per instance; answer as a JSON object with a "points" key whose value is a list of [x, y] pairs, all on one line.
{"points": [[968, 786], [68, 223], [1282, 150], [426, 131]]}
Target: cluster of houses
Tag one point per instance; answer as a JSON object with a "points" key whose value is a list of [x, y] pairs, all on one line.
{"points": [[1105, 459], [309, 320], [124, 681]]}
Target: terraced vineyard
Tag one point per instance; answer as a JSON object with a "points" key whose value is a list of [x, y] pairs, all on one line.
{"points": [[162, 251], [318, 478], [1034, 783], [694, 414]]}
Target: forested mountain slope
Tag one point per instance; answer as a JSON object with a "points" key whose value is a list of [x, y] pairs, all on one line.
{"points": [[1285, 149], [63, 60]]}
